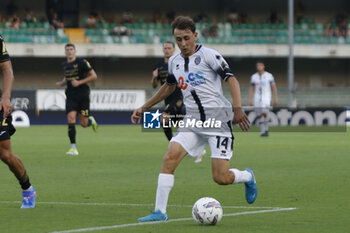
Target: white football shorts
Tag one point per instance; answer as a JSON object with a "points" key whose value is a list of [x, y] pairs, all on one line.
{"points": [[221, 147]]}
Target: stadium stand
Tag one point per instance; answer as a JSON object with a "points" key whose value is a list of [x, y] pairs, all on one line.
{"points": [[111, 36], [306, 32]]}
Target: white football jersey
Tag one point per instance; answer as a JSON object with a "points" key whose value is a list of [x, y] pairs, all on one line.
{"points": [[262, 88], [199, 78]]}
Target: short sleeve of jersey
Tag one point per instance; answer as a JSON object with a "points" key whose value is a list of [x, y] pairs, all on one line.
{"points": [[218, 64], [85, 66], [4, 56], [171, 80]]}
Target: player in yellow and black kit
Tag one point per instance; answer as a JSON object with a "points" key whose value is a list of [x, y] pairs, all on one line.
{"points": [[77, 73], [7, 130]]}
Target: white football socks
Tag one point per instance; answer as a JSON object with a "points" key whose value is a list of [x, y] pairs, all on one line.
{"points": [[241, 176], [29, 189], [73, 146], [165, 184]]}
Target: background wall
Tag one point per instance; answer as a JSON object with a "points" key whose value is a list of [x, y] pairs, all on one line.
{"points": [[136, 72]]}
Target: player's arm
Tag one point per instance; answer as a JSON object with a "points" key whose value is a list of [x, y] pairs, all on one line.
{"points": [[91, 76], [154, 80], [218, 64], [5, 102], [274, 90], [239, 116], [164, 91], [61, 83]]}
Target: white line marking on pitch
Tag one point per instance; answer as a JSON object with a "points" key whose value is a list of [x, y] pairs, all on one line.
{"points": [[131, 204], [171, 220]]}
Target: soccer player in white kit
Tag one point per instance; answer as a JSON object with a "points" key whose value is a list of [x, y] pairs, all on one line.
{"points": [[261, 84], [199, 72]]}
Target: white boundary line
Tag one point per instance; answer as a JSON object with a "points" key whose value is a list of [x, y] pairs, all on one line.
{"points": [[169, 221], [136, 205]]}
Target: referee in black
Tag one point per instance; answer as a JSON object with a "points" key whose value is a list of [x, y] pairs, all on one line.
{"points": [[77, 74]]}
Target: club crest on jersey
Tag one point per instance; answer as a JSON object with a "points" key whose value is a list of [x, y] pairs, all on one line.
{"points": [[197, 60], [193, 79]]}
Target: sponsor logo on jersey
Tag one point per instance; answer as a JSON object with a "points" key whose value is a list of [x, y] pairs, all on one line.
{"points": [[193, 79]]}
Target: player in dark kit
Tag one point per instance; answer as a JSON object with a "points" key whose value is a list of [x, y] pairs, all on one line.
{"points": [[173, 103], [7, 130], [174, 107], [77, 73]]}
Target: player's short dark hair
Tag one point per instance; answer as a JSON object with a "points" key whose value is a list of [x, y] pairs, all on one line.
{"points": [[183, 23], [69, 45], [260, 61], [169, 42]]}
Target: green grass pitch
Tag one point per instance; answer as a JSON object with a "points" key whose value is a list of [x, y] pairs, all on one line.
{"points": [[120, 164]]}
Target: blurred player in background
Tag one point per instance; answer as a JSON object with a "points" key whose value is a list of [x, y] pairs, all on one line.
{"points": [[7, 130], [174, 102], [199, 72], [261, 84], [77, 73]]}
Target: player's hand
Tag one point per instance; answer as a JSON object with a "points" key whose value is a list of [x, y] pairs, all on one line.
{"points": [[75, 83], [241, 119], [155, 73], [59, 84], [5, 104], [275, 102], [251, 102], [136, 116]]}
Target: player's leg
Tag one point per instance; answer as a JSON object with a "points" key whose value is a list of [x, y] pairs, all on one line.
{"points": [[166, 182], [16, 166], [261, 120], [223, 175], [200, 156], [181, 144], [85, 118], [263, 123], [165, 118], [173, 111], [71, 118], [221, 149], [266, 122]]}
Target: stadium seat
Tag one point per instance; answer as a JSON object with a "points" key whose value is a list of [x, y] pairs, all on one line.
{"points": [[46, 25], [23, 25]]}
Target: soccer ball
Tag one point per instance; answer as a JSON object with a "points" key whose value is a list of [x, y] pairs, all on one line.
{"points": [[207, 211]]}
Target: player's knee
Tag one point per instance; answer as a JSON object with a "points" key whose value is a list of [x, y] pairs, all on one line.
{"points": [[168, 158], [71, 120], [6, 156], [168, 162]]}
